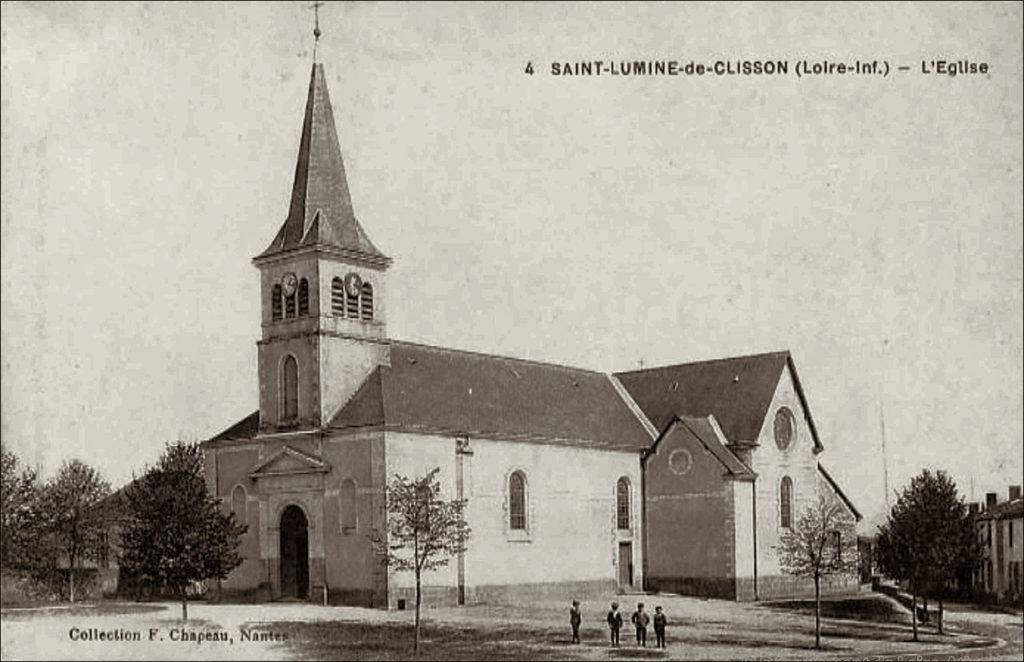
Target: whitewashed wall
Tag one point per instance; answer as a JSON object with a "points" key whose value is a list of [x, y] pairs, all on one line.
{"points": [[571, 531], [798, 462]]}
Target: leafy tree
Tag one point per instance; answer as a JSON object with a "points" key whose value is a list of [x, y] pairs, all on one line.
{"points": [[897, 553], [823, 543], [20, 516], [73, 522], [928, 539], [175, 533], [423, 530]]}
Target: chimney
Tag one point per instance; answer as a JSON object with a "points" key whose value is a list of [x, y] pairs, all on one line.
{"points": [[990, 500], [1014, 492]]}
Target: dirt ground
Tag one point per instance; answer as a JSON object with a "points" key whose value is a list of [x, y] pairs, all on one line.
{"points": [[870, 626]]}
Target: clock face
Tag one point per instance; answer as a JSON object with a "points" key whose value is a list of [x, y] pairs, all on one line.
{"points": [[353, 284], [288, 283]]}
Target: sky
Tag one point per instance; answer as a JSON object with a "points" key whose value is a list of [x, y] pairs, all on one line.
{"points": [[870, 225]]}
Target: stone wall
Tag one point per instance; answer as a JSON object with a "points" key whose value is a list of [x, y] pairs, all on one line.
{"points": [[690, 519]]}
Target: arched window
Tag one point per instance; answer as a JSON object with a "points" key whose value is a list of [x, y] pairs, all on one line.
{"points": [[290, 384], [517, 501], [275, 303], [348, 506], [238, 504], [338, 297], [352, 305], [303, 297], [366, 303], [786, 502], [622, 503], [837, 547]]}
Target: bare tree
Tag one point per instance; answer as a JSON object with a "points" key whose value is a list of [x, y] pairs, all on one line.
{"points": [[423, 530], [823, 543]]}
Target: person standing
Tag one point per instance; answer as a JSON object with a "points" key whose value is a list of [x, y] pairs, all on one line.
{"points": [[615, 623], [640, 621], [660, 621], [575, 618]]}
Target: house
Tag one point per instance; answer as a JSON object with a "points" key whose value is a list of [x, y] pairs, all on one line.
{"points": [[1000, 528]]}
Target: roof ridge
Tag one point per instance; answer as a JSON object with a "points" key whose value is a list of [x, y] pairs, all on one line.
{"points": [[779, 353], [546, 364]]}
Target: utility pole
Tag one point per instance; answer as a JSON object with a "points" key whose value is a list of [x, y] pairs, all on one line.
{"points": [[885, 456]]}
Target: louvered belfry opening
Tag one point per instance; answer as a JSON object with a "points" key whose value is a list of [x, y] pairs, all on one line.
{"points": [[275, 303], [289, 305], [366, 303], [352, 306], [303, 297], [338, 297]]}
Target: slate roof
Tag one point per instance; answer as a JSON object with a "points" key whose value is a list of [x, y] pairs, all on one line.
{"points": [[737, 391], [321, 211], [447, 391], [429, 389], [243, 429], [839, 491], [1004, 510]]}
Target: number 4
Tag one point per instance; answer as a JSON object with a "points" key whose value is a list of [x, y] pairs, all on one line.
{"points": [[529, 68]]}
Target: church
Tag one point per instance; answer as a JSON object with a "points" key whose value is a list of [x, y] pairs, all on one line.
{"points": [[676, 479]]}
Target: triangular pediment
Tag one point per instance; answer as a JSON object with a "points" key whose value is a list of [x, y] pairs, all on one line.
{"points": [[289, 461]]}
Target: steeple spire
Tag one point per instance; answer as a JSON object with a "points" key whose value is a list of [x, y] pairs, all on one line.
{"points": [[321, 212]]}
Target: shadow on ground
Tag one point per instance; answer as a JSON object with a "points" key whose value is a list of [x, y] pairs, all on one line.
{"points": [[392, 641], [876, 609], [80, 610]]}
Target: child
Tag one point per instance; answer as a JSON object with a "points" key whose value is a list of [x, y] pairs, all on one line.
{"points": [[640, 620], [574, 621], [659, 627], [615, 623]]}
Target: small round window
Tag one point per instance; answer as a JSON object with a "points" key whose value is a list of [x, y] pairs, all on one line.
{"points": [[680, 461], [784, 428]]}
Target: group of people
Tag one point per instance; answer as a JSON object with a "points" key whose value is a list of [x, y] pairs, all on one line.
{"points": [[640, 620]]}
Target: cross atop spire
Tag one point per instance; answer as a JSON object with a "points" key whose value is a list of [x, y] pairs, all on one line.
{"points": [[316, 25]]}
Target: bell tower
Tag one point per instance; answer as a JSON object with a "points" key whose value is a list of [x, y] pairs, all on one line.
{"points": [[322, 285]]}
